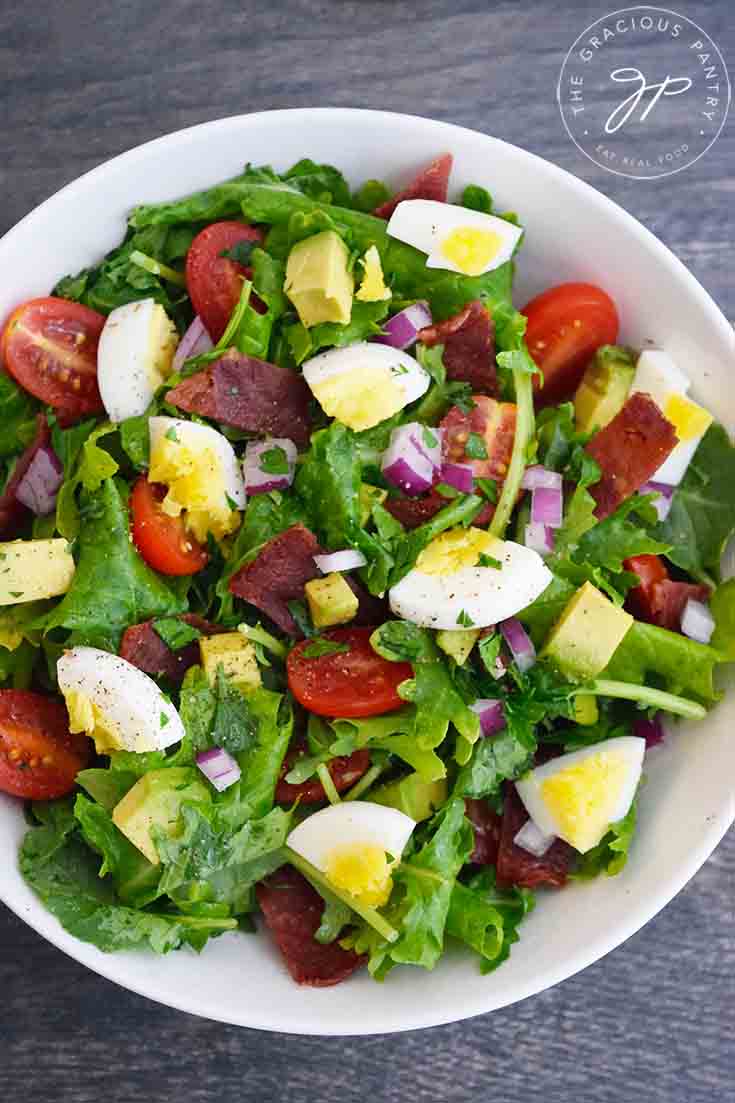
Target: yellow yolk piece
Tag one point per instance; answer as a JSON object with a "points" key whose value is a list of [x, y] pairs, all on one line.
{"points": [[689, 419], [360, 398], [363, 871], [196, 488], [84, 716], [455, 549], [581, 798], [471, 249], [372, 288]]}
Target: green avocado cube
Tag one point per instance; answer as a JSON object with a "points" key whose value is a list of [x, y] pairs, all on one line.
{"points": [[155, 801], [419, 799], [331, 601], [604, 388], [587, 634], [457, 642], [318, 279]]}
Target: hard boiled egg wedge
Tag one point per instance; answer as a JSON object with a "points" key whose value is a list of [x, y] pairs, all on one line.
{"points": [[363, 384], [355, 845], [656, 374], [455, 238], [200, 469], [134, 357], [577, 796], [457, 584], [115, 703]]}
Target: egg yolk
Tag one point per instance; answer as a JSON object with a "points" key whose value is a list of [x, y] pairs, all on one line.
{"points": [[85, 716], [362, 397], [372, 288], [363, 871], [689, 419], [583, 798], [196, 488], [455, 549], [471, 249]]}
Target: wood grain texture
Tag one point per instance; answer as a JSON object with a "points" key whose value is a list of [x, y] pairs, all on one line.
{"points": [[80, 83]]}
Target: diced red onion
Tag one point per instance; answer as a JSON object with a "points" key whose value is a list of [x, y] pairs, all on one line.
{"points": [[401, 330], [459, 475], [547, 506], [662, 504], [219, 767], [519, 642], [422, 438], [537, 477], [492, 717], [650, 730], [540, 538], [40, 484], [404, 465], [258, 481], [532, 839], [195, 341], [697, 621], [347, 560]]}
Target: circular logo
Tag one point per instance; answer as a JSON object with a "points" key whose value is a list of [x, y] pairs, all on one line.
{"points": [[644, 92]]}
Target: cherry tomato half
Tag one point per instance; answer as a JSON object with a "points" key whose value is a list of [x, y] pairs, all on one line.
{"points": [[214, 282], [357, 682], [49, 346], [565, 326], [39, 758], [163, 541]]}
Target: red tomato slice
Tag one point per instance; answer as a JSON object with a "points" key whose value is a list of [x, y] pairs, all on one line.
{"points": [[214, 282], [565, 326], [39, 758], [357, 682], [49, 346], [163, 541]]}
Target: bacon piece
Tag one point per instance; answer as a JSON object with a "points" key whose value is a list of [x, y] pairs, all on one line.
{"points": [[486, 824], [249, 394], [515, 866], [345, 772], [431, 183], [278, 575], [665, 601], [630, 450], [292, 911], [143, 647], [469, 347], [12, 511], [412, 512]]}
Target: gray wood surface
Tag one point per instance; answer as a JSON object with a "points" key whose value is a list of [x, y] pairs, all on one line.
{"points": [[80, 83]]}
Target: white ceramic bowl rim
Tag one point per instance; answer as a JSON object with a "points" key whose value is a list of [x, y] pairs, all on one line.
{"points": [[271, 1001]]}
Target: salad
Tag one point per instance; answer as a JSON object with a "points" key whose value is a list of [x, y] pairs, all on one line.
{"points": [[340, 599]]}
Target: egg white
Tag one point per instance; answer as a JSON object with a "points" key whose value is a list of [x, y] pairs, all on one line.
{"points": [[134, 355], [628, 750], [353, 823], [134, 710], [485, 595], [426, 223], [196, 438]]}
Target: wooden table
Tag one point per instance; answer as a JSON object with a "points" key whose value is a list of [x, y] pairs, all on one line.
{"points": [[81, 82]]}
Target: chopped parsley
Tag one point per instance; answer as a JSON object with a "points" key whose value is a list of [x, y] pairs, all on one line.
{"points": [[163, 719], [430, 439], [489, 561], [274, 461], [230, 501], [241, 252], [175, 633], [170, 434], [446, 490], [489, 488], [318, 648], [475, 448], [465, 620]]}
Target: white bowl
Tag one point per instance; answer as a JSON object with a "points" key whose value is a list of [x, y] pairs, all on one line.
{"points": [[573, 232]]}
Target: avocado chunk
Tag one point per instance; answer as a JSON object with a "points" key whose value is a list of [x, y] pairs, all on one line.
{"points": [[318, 280], [33, 569], [587, 634], [235, 654], [457, 642], [419, 799], [369, 496], [585, 710], [604, 387], [331, 601], [155, 801]]}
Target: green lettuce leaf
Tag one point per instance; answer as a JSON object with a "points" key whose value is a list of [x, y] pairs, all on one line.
{"points": [[722, 605], [649, 653], [112, 587], [487, 918], [17, 417], [135, 878], [702, 515], [611, 854]]}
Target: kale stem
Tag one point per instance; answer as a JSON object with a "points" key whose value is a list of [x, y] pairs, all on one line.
{"points": [[327, 784], [525, 424], [656, 698], [317, 878], [157, 268], [365, 782]]}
